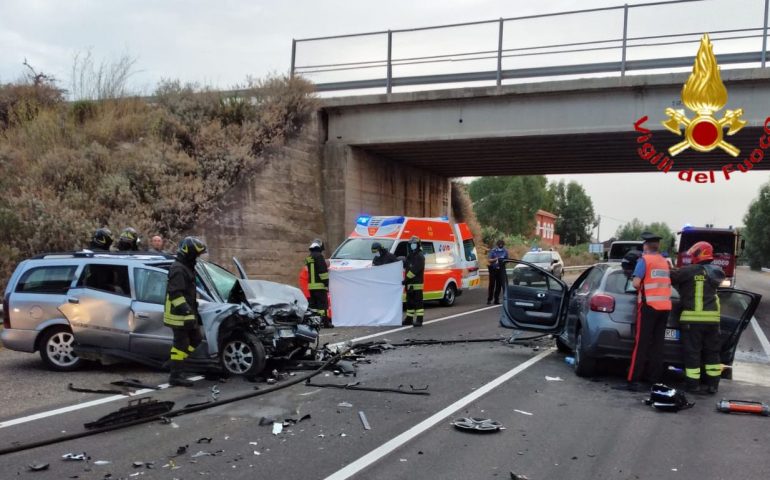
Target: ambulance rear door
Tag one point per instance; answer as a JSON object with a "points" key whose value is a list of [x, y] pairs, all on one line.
{"points": [[469, 257]]}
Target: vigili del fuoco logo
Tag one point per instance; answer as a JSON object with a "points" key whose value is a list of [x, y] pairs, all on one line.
{"points": [[704, 94]]}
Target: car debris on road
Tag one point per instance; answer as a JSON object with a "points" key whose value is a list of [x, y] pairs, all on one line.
{"points": [[473, 424]]}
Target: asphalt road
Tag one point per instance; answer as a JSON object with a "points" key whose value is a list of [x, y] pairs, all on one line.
{"points": [[568, 428]]}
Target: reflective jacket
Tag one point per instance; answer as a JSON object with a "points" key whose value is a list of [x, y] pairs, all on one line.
{"points": [[697, 285], [415, 270], [181, 306], [318, 273], [656, 284]]}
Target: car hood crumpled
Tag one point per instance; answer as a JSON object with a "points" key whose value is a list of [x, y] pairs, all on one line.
{"points": [[274, 300]]}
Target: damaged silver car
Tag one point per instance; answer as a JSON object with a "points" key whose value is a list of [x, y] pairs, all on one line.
{"points": [[108, 307]]}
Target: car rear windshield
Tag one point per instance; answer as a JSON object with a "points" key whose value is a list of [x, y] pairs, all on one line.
{"points": [[359, 248], [537, 257], [619, 250], [51, 280]]}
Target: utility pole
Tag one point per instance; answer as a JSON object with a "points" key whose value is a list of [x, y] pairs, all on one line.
{"points": [[598, 228]]}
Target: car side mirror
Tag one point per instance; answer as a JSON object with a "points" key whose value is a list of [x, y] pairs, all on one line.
{"points": [[554, 261]]}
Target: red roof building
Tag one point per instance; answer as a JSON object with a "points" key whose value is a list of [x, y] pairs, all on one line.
{"points": [[545, 228]]}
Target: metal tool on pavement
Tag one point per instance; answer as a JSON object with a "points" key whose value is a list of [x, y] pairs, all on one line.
{"points": [[743, 406]]}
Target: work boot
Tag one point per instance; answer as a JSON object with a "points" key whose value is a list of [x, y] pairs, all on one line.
{"points": [[713, 387], [691, 386], [177, 379], [418, 322], [406, 322]]}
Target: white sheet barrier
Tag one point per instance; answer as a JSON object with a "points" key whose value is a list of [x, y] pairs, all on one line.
{"points": [[367, 296]]}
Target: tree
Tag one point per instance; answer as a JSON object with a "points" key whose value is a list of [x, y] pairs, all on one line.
{"points": [[508, 204], [633, 230], [757, 230], [574, 210]]}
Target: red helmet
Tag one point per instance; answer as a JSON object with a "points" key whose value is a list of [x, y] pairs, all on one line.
{"points": [[701, 252]]}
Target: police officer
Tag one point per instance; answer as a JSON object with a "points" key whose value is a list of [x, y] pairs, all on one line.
{"points": [[101, 240], [318, 282], [381, 255], [181, 311], [653, 284], [128, 240], [699, 321], [496, 257], [415, 272]]}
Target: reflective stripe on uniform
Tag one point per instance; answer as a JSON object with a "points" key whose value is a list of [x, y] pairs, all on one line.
{"points": [[410, 275], [415, 286], [175, 302], [316, 286], [657, 298], [693, 373], [703, 316], [699, 279], [657, 285], [713, 369], [323, 276], [178, 355], [656, 291]]}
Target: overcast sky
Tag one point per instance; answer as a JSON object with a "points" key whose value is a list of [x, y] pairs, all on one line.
{"points": [[220, 43]]}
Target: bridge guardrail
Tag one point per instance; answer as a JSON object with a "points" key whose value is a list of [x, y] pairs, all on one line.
{"points": [[348, 75]]}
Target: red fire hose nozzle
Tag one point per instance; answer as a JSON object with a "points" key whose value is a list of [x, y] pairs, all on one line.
{"points": [[742, 406]]}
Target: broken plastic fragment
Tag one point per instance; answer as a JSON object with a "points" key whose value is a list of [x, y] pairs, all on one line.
{"points": [[345, 404], [182, 450], [554, 379], [305, 417], [37, 467], [204, 440], [139, 464], [515, 476], [74, 457], [102, 462], [364, 421], [277, 428], [257, 453], [252, 443], [522, 412], [477, 424]]}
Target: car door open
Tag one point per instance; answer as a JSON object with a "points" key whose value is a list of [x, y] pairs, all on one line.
{"points": [[737, 309], [534, 299]]}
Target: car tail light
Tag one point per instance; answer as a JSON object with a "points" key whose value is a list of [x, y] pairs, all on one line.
{"points": [[602, 303], [472, 269], [6, 313]]}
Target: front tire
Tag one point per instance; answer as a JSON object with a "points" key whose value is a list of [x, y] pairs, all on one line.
{"points": [[561, 346], [450, 295], [57, 350], [585, 366], [243, 354]]}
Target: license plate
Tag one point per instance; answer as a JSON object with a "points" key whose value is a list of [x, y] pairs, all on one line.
{"points": [[672, 334]]}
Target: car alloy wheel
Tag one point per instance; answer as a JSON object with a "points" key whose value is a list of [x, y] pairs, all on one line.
{"points": [[57, 349], [450, 295], [243, 355], [585, 366]]}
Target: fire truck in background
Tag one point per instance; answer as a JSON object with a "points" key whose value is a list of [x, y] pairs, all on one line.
{"points": [[727, 247], [451, 263]]}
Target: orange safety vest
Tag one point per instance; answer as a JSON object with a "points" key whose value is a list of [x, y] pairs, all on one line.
{"points": [[656, 290]]}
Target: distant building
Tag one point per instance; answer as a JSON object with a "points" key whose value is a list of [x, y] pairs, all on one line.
{"points": [[545, 228]]}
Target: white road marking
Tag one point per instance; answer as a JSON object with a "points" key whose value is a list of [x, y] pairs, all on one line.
{"points": [[80, 406], [430, 422], [761, 336], [394, 330]]}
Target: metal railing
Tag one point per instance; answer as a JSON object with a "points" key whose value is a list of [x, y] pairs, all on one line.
{"points": [[622, 45]]}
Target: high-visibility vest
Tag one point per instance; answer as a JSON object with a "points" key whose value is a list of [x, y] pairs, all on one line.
{"points": [[699, 298], [656, 284]]}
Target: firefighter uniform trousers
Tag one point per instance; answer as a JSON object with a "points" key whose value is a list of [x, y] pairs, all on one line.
{"points": [[318, 286], [415, 310], [180, 314]]}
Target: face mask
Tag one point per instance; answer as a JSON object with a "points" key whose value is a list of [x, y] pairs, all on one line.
{"points": [[413, 246]]}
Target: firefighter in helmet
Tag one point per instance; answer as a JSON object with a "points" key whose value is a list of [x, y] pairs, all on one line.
{"points": [[318, 282], [415, 272], [181, 310], [128, 240], [101, 240], [381, 255], [699, 319]]}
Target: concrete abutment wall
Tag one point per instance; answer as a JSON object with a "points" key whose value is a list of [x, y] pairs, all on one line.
{"points": [[309, 189]]}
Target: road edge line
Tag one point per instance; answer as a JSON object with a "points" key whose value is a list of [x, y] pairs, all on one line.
{"points": [[398, 441], [761, 336]]}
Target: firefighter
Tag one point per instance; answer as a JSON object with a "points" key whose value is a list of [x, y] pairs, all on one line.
{"points": [[697, 284], [128, 240], [318, 282], [415, 270], [653, 284], [181, 310], [101, 240], [381, 255]]}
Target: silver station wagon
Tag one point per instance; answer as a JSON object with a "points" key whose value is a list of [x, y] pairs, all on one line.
{"points": [[108, 307]]}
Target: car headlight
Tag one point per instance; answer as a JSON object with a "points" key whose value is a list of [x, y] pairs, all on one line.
{"points": [[725, 283]]}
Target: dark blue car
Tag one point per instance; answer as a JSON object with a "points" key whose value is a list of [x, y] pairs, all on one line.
{"points": [[596, 317]]}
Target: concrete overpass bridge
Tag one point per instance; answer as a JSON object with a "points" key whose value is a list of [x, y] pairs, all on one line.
{"points": [[395, 153]]}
